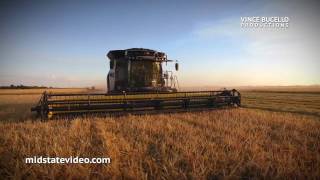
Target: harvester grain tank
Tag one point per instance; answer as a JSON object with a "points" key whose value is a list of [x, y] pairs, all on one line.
{"points": [[137, 82]]}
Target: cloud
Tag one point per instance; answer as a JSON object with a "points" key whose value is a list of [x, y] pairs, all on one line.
{"points": [[228, 27], [265, 56]]}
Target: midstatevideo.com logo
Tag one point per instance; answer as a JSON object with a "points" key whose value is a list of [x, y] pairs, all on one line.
{"points": [[67, 160], [265, 22]]}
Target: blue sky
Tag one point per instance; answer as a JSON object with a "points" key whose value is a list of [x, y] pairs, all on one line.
{"points": [[64, 43]]}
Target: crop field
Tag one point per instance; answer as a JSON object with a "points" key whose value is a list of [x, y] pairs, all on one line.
{"points": [[276, 134], [15, 104], [295, 102]]}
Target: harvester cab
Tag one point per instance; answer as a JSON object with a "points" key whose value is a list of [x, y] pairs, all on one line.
{"points": [[137, 82], [140, 70]]}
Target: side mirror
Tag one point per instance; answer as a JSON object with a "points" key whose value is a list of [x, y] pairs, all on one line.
{"points": [[111, 64], [177, 66]]}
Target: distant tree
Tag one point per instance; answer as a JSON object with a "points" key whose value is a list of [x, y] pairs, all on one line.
{"points": [[21, 86]]}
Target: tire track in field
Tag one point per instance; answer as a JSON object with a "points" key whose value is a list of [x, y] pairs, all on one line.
{"points": [[96, 140]]}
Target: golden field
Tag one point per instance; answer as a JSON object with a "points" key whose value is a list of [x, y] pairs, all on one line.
{"points": [[275, 135], [294, 102], [15, 104]]}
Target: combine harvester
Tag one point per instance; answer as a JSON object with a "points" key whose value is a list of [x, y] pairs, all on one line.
{"points": [[137, 83]]}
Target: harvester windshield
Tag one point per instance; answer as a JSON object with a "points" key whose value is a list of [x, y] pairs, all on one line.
{"points": [[145, 74]]}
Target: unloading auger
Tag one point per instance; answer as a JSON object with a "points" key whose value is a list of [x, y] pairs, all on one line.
{"points": [[136, 83]]}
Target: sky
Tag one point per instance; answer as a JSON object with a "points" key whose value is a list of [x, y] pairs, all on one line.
{"points": [[64, 43]]}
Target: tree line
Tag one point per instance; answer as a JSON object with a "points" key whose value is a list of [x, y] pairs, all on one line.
{"points": [[21, 86]]}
